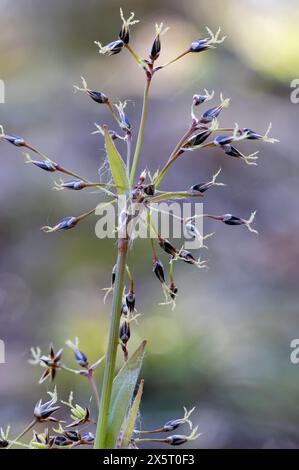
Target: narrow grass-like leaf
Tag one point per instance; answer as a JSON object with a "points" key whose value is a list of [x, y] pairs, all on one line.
{"points": [[122, 393], [130, 420], [116, 163], [178, 195]]}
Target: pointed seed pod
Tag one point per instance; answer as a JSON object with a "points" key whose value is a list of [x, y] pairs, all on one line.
{"points": [[173, 291], [230, 219], [130, 301], [198, 139], [75, 184], [124, 310], [252, 135], [98, 96], [187, 257], [114, 47], [211, 114], [158, 270], [223, 139], [176, 440], [200, 45], [15, 140], [124, 332], [149, 189], [45, 165], [167, 247], [199, 99], [232, 151]]}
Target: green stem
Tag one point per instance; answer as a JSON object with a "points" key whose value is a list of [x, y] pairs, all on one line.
{"points": [[174, 155], [101, 434], [141, 129], [30, 426]]}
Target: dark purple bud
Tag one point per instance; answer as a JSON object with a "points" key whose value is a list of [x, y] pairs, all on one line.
{"points": [[124, 310], [201, 187], [159, 271], [15, 140], [81, 358], [124, 332], [187, 257], [199, 99], [130, 301], [223, 139], [232, 151], [45, 165], [75, 184], [113, 135], [67, 223], [115, 47], [73, 436], [156, 48], [252, 135], [62, 441], [173, 424], [167, 247], [3, 443], [98, 97], [211, 114], [176, 440], [43, 412], [230, 219], [124, 34], [87, 438], [149, 189], [200, 45], [198, 139]]}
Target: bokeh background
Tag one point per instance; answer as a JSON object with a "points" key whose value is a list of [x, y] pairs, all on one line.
{"points": [[226, 347]]}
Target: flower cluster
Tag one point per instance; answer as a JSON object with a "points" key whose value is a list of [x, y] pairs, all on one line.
{"points": [[142, 194]]}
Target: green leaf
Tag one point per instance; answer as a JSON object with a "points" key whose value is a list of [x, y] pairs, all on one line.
{"points": [[130, 421], [122, 393], [116, 163]]}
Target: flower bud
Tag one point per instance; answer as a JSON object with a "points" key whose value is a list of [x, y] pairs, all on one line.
{"points": [[124, 310], [73, 436], [173, 291], [62, 441], [230, 219], [252, 135], [15, 140], [159, 271], [87, 438], [156, 48], [124, 34], [176, 440], [114, 47], [199, 99], [223, 139], [149, 189], [167, 247], [45, 165], [198, 139], [200, 45], [98, 97], [201, 187], [187, 257], [3, 443], [75, 184], [232, 151], [130, 301], [124, 332], [210, 114], [81, 358]]}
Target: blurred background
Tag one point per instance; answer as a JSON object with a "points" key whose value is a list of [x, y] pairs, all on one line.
{"points": [[226, 347]]}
